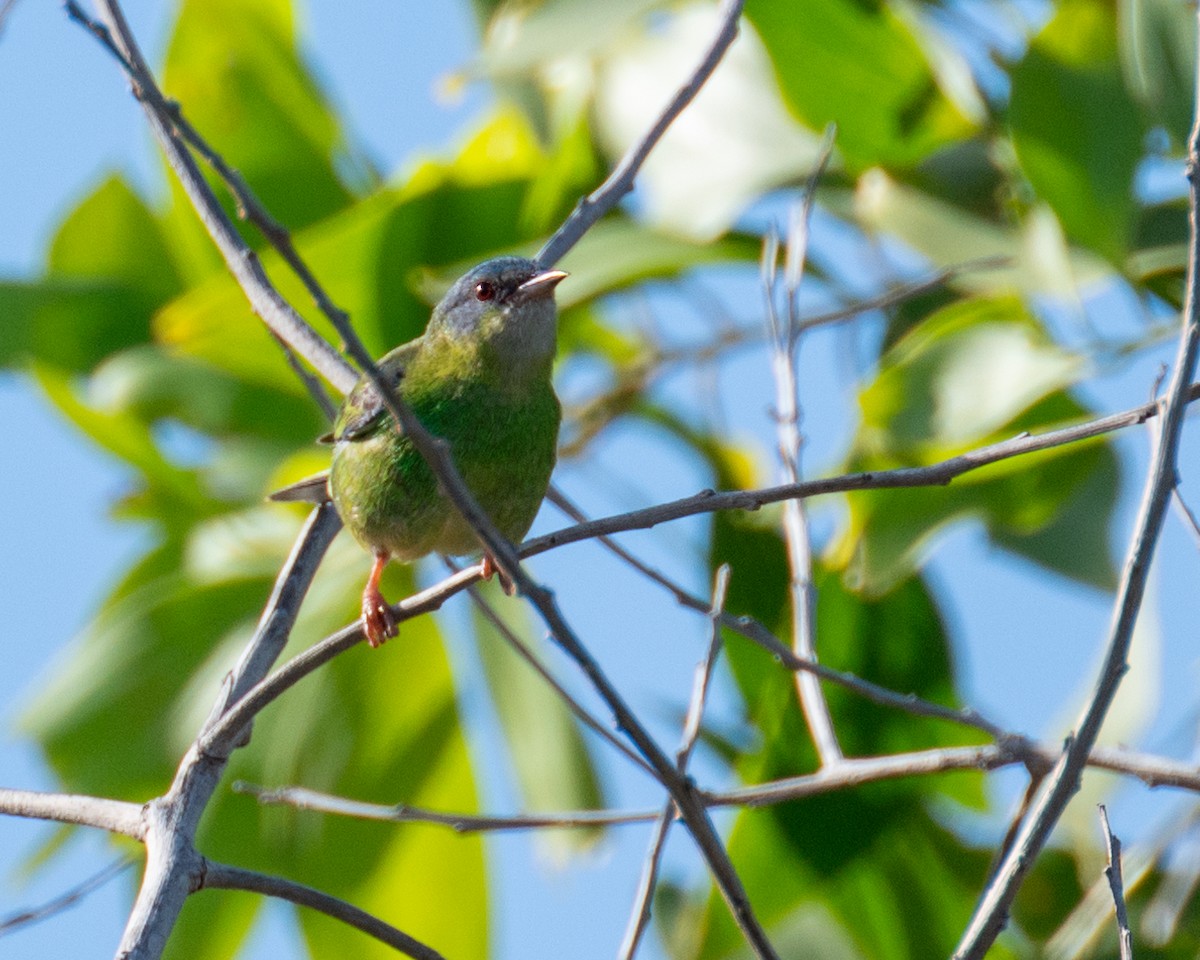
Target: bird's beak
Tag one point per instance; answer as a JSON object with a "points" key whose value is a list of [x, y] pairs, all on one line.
{"points": [[540, 285]]}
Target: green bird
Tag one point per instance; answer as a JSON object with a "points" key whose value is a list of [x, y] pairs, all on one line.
{"points": [[479, 378]]}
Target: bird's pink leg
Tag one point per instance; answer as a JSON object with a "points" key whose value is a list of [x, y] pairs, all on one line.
{"points": [[488, 569], [379, 622]]}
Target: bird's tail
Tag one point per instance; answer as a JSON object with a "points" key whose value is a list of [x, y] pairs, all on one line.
{"points": [[314, 489]]}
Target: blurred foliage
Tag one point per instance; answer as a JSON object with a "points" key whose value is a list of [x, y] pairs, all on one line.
{"points": [[134, 329]]}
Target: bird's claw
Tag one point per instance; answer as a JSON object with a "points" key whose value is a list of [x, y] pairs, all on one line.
{"points": [[379, 622], [488, 569]]}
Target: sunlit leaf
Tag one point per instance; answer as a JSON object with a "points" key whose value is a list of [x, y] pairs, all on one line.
{"points": [[738, 124], [115, 213], [522, 37], [108, 268], [973, 373], [1032, 257]]}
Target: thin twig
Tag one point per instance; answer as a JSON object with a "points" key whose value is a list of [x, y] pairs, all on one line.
{"points": [[312, 383], [592, 207], [64, 901], [932, 475], [992, 912], [219, 876], [1189, 517], [640, 915], [1015, 821], [1152, 770], [704, 670], [1112, 849], [639, 918], [301, 798], [746, 335]]}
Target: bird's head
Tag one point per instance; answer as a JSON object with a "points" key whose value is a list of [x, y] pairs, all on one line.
{"points": [[508, 301]]}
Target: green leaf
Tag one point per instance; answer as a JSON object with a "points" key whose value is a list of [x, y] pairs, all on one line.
{"points": [[974, 373], [1158, 55], [235, 68], [1032, 257], [552, 763], [109, 268], [1077, 132], [152, 385], [113, 236], [69, 324], [1160, 258], [859, 65]]}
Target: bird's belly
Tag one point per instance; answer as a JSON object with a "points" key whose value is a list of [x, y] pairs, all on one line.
{"points": [[389, 498]]}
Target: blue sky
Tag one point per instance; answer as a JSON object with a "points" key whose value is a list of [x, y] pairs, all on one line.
{"points": [[68, 119]]}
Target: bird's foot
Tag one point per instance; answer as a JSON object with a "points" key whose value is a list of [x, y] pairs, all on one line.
{"points": [[379, 622], [488, 569]]}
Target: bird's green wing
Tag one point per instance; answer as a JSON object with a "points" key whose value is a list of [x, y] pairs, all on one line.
{"points": [[363, 411]]}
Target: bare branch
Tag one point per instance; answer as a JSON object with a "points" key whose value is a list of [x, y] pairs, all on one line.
{"points": [[594, 206], [218, 876], [704, 670], [304, 799], [992, 911], [170, 822], [64, 901], [785, 345], [1112, 872], [165, 120], [116, 816]]}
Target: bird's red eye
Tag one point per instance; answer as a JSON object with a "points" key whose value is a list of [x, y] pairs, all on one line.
{"points": [[485, 290]]}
